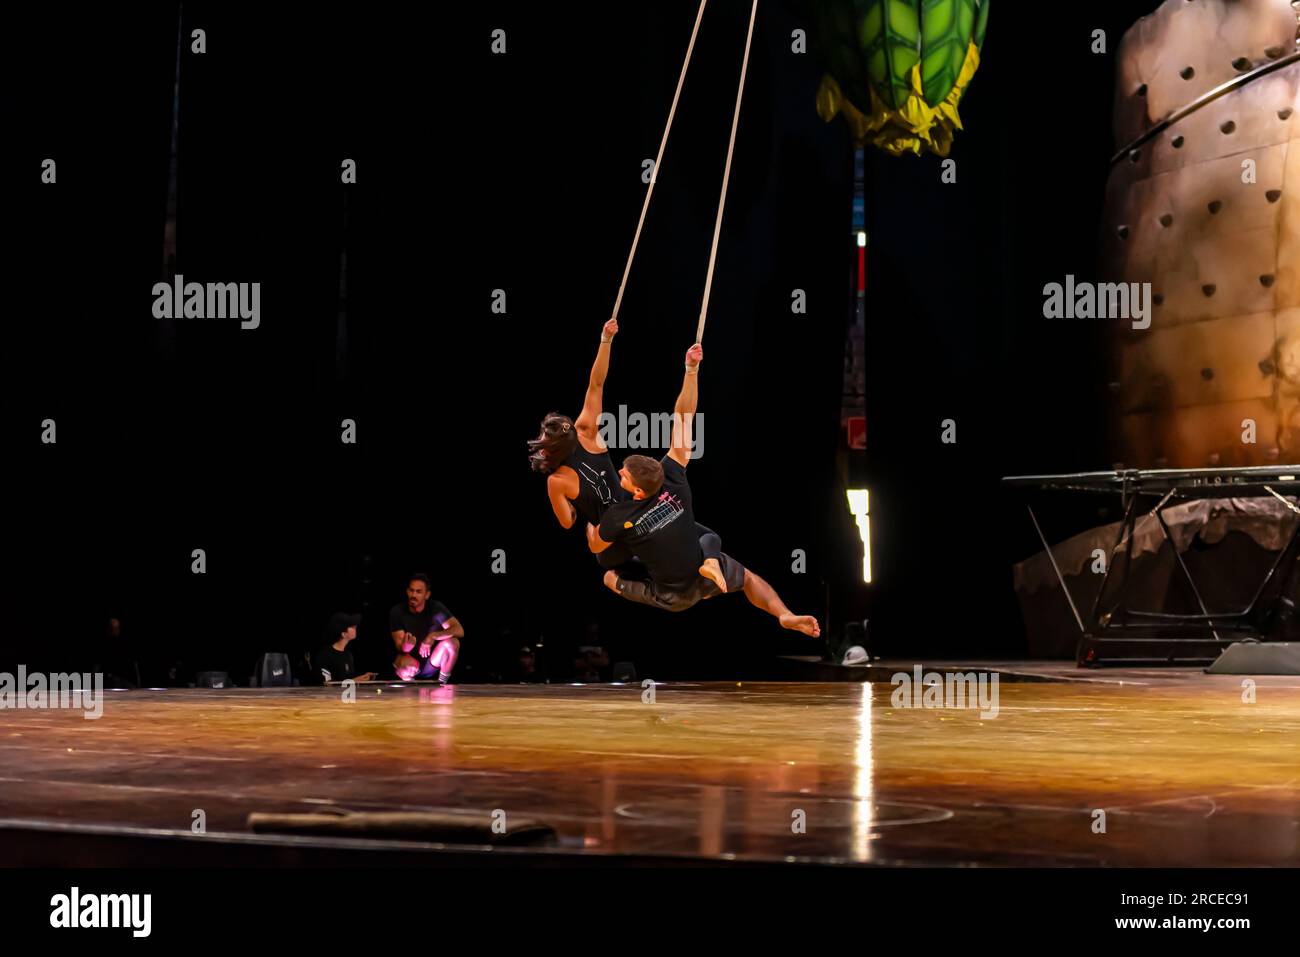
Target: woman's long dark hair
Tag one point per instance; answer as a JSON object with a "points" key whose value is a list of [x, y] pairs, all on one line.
{"points": [[553, 444]]}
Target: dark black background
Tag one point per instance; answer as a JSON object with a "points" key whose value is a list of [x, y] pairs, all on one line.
{"points": [[520, 172]]}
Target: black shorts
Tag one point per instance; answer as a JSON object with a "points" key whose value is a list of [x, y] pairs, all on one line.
{"points": [[679, 599]]}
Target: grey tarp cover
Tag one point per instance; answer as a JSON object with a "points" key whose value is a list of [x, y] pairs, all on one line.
{"points": [[1266, 520]]}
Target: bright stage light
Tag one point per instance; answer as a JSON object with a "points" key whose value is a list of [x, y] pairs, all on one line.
{"points": [[859, 506], [862, 239]]}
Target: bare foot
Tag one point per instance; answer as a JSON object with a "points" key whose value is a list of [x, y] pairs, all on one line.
{"points": [[611, 581], [805, 623], [712, 570]]}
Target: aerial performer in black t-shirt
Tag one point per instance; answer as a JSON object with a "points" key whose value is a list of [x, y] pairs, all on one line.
{"points": [[656, 523], [581, 480]]}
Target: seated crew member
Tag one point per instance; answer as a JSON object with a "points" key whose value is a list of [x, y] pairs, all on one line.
{"points": [[658, 525], [334, 661], [427, 636], [580, 475]]}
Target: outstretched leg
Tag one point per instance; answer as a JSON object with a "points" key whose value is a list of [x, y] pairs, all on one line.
{"points": [[764, 596]]}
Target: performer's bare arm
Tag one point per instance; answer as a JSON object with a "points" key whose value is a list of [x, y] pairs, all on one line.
{"points": [[562, 488], [588, 423], [684, 411], [594, 541]]}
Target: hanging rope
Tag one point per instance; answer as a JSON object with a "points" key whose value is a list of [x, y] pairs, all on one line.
{"points": [[726, 176], [654, 174]]}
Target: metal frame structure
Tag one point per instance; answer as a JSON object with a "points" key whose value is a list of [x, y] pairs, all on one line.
{"points": [[1111, 624]]}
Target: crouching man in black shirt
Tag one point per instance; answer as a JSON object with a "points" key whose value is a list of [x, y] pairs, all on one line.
{"points": [[334, 661], [658, 525], [427, 636]]}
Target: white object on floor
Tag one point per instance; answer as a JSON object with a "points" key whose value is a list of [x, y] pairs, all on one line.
{"points": [[856, 655]]}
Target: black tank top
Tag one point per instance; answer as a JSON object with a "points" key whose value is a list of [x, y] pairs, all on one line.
{"points": [[598, 486]]}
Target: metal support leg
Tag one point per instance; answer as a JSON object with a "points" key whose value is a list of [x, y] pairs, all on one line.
{"points": [[1130, 518], [1164, 527], [1129, 506], [1057, 568]]}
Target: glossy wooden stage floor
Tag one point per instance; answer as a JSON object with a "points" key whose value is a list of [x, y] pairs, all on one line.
{"points": [[1186, 773]]}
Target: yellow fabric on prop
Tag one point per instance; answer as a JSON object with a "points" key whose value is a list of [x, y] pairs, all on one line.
{"points": [[915, 126]]}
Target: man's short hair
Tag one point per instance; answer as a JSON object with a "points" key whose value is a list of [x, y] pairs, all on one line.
{"points": [[420, 577], [647, 473]]}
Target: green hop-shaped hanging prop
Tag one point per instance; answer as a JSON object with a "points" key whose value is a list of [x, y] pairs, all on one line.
{"points": [[896, 69]]}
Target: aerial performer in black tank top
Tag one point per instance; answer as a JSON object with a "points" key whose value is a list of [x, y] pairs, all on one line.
{"points": [[581, 480]]}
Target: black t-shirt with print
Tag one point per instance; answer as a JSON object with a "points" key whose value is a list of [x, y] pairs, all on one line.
{"points": [[401, 618], [660, 530], [334, 665]]}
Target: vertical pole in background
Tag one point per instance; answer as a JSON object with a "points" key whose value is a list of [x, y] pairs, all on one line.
{"points": [[853, 395], [854, 405]]}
